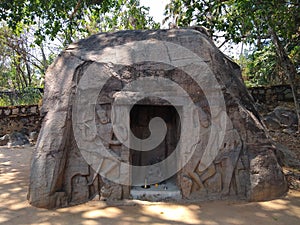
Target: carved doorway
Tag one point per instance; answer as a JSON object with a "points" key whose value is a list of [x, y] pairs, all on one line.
{"points": [[140, 117]]}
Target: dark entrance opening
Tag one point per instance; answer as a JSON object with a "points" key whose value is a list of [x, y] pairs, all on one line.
{"points": [[140, 116]]}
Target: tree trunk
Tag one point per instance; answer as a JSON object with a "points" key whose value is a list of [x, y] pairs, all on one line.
{"points": [[28, 73], [44, 62], [288, 68]]}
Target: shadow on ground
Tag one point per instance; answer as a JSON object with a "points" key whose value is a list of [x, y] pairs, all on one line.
{"points": [[14, 208]]}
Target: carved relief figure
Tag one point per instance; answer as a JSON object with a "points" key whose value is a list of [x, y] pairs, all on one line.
{"points": [[226, 161]]}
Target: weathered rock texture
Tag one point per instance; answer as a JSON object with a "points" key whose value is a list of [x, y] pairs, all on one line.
{"points": [[273, 94], [245, 166], [23, 119]]}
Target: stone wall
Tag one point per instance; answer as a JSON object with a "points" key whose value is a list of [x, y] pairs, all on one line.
{"points": [[19, 118], [16, 118], [269, 95]]}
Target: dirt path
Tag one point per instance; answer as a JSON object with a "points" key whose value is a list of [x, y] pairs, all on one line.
{"points": [[14, 208]]}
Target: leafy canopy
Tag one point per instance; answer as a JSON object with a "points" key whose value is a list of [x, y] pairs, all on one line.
{"points": [[32, 32], [238, 20], [74, 18]]}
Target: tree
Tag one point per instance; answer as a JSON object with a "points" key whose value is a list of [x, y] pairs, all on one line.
{"points": [[248, 21], [262, 67], [72, 19], [28, 29], [19, 63], [20, 69]]}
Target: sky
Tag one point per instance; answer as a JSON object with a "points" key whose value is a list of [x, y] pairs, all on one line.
{"points": [[157, 8]]}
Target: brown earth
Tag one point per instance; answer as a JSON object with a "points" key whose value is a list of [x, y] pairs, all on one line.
{"points": [[14, 208]]}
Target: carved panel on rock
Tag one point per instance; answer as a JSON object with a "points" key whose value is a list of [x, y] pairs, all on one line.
{"points": [[78, 149]]}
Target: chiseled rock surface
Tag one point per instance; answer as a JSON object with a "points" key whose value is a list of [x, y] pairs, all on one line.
{"points": [[244, 165]]}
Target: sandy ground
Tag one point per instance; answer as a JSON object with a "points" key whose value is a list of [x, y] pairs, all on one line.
{"points": [[14, 208]]}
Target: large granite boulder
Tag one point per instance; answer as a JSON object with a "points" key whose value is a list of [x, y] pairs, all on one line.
{"points": [[215, 144]]}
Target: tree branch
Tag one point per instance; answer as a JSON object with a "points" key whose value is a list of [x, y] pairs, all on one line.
{"points": [[75, 10], [223, 43]]}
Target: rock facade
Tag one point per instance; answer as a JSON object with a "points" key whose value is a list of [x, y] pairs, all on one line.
{"points": [[230, 156]]}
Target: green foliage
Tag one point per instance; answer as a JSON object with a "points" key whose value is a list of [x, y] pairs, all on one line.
{"points": [[72, 19], [205, 13], [5, 101], [254, 22], [54, 15], [19, 65], [261, 68], [28, 96], [294, 52], [128, 15], [239, 20], [29, 28]]}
